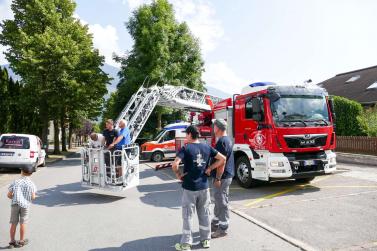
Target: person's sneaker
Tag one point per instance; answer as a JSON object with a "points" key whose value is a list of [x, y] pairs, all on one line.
{"points": [[214, 226], [206, 244], [182, 246], [218, 233]]}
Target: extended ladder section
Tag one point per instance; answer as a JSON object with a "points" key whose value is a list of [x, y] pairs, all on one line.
{"points": [[142, 103]]}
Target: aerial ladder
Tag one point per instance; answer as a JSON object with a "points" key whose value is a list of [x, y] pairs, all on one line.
{"points": [[119, 170]]}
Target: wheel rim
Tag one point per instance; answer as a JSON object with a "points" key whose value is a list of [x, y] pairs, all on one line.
{"points": [[157, 157], [243, 172]]}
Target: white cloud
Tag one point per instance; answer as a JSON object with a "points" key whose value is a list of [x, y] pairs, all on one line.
{"points": [[105, 39], [5, 10], [200, 16], [221, 76], [133, 4], [5, 13]]}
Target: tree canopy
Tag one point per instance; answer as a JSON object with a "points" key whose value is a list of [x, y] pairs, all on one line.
{"points": [[164, 52], [53, 54]]}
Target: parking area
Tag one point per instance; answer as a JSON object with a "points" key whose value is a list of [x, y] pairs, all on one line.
{"points": [[333, 212]]}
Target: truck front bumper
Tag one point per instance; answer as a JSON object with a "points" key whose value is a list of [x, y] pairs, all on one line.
{"points": [[296, 166]]}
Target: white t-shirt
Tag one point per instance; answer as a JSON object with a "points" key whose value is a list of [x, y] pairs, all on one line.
{"points": [[97, 143]]}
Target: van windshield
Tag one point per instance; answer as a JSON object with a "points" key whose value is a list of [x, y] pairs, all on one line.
{"points": [[14, 142], [158, 136]]}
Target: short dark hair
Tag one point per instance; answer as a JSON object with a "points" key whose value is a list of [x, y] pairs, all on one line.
{"points": [[193, 130], [27, 169]]}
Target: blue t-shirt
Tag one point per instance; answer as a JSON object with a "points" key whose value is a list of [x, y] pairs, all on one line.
{"points": [[126, 140], [196, 158], [225, 146]]}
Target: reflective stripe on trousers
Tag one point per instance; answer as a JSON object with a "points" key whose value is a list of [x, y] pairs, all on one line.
{"points": [[199, 201]]}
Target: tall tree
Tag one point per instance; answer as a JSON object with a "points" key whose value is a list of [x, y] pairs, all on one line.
{"points": [[164, 50], [53, 54]]}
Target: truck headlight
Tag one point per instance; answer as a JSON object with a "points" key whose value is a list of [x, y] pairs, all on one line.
{"points": [[275, 163], [332, 160]]}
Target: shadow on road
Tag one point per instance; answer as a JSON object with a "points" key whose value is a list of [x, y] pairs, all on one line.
{"points": [[152, 243], [70, 195], [161, 195]]}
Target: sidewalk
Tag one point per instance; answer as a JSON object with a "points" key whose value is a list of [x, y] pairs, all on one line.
{"points": [[66, 216], [352, 158]]}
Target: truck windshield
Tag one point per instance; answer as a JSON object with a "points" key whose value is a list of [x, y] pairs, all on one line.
{"points": [[158, 136], [300, 110]]}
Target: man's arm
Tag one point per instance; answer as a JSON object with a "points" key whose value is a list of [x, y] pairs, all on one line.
{"points": [[33, 196], [175, 168], [219, 163], [10, 195], [120, 137]]}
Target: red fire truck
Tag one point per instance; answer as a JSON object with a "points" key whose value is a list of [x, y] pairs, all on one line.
{"points": [[280, 132]]}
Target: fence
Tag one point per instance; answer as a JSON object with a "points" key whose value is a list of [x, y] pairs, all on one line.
{"points": [[357, 144]]}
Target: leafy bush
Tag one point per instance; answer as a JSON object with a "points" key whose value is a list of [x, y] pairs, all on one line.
{"points": [[370, 117], [349, 118]]}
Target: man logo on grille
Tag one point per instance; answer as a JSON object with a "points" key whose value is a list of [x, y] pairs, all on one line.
{"points": [[307, 136]]}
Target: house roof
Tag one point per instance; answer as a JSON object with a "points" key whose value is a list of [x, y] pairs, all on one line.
{"points": [[354, 85]]}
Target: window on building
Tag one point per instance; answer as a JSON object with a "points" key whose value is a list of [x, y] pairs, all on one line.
{"points": [[353, 79], [373, 86]]}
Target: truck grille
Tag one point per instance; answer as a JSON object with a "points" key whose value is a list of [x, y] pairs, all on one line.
{"points": [[305, 141]]}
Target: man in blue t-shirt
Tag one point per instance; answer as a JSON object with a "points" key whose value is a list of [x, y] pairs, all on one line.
{"points": [[196, 159], [123, 139], [222, 179]]}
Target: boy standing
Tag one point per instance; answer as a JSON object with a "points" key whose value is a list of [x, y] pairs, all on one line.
{"points": [[21, 192]]}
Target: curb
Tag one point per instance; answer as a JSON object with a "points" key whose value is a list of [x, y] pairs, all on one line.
{"points": [[352, 158], [297, 243]]}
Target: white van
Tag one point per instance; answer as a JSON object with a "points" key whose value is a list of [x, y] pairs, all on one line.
{"points": [[21, 149]]}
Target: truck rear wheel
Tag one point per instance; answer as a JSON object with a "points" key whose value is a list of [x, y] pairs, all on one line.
{"points": [[305, 180], [157, 157], [243, 172]]}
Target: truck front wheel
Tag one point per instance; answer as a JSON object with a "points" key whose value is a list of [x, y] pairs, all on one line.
{"points": [[243, 172]]}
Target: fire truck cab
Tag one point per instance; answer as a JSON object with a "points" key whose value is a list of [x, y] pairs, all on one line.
{"points": [[163, 145], [280, 132]]}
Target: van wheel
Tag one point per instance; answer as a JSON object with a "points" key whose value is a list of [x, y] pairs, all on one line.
{"points": [[305, 180], [35, 168], [44, 163], [157, 157], [243, 173]]}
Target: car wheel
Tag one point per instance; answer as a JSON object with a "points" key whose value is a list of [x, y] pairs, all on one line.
{"points": [[305, 180], [157, 157], [243, 173]]}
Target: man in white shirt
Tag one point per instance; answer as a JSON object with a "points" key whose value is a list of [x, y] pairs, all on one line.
{"points": [[96, 140]]}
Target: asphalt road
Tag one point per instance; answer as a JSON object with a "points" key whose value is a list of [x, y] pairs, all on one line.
{"points": [[333, 212], [66, 216]]}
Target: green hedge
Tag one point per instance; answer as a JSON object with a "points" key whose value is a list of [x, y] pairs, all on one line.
{"points": [[370, 117], [349, 119]]}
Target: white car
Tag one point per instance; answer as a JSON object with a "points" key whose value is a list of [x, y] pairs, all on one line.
{"points": [[17, 150]]}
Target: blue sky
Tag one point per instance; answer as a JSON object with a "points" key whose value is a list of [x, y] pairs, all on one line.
{"points": [[285, 42]]}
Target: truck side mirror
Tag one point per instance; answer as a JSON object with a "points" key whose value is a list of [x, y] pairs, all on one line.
{"points": [[332, 108], [257, 109]]}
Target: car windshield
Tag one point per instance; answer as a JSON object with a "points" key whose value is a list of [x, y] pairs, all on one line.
{"points": [[301, 110], [14, 142], [158, 136]]}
